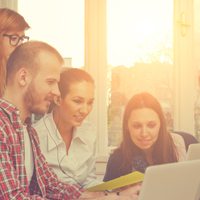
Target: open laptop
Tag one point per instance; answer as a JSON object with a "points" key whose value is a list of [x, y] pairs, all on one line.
{"points": [[193, 152], [174, 181]]}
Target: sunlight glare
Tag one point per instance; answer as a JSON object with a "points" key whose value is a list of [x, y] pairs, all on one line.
{"points": [[137, 30], [58, 22]]}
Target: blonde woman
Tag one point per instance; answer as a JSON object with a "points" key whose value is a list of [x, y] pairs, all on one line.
{"points": [[12, 34], [67, 139]]}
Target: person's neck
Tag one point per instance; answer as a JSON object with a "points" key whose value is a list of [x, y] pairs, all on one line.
{"points": [[17, 101], [61, 125], [64, 129], [148, 155]]}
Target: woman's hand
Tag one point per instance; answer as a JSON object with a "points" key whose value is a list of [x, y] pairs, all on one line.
{"points": [[131, 191], [127, 193]]}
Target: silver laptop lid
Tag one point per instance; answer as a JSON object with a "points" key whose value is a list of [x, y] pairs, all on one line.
{"points": [[175, 181], [193, 152]]}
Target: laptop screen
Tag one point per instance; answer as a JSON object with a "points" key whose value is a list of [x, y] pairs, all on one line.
{"points": [[174, 181], [193, 152]]}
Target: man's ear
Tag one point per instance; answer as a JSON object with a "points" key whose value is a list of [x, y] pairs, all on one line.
{"points": [[57, 100], [23, 77]]}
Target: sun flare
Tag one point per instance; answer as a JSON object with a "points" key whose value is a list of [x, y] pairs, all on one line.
{"points": [[138, 29]]}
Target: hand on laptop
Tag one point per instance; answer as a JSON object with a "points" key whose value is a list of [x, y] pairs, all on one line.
{"points": [[127, 193], [131, 191]]}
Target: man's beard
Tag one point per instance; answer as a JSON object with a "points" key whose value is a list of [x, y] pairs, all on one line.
{"points": [[33, 101]]}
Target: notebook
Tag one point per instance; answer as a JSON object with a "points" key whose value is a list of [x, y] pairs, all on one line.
{"points": [[193, 152], [119, 182], [174, 181]]}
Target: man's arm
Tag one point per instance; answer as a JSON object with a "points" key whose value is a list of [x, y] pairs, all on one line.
{"points": [[10, 186]]}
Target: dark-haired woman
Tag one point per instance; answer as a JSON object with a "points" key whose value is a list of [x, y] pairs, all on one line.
{"points": [[146, 140]]}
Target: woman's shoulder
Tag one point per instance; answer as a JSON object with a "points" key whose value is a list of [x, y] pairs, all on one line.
{"points": [[188, 138], [180, 146], [87, 131], [114, 167], [116, 155], [176, 137], [43, 124]]}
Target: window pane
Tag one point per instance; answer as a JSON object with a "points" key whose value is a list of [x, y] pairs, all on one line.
{"points": [[59, 23], [140, 56]]}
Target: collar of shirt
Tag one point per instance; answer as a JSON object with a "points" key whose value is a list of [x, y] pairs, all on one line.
{"points": [[11, 111], [54, 138]]}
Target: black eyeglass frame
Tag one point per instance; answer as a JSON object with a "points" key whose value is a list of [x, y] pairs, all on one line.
{"points": [[11, 37]]}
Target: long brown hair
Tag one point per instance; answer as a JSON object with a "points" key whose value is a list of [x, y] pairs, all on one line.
{"points": [[164, 150], [9, 21]]}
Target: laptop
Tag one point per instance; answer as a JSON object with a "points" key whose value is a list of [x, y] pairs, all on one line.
{"points": [[193, 152], [174, 181]]}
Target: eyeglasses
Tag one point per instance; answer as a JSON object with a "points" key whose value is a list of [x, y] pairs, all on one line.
{"points": [[15, 39]]}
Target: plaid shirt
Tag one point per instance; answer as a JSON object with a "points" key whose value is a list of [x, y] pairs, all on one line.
{"points": [[13, 179]]}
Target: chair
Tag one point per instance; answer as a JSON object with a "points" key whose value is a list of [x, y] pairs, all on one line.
{"points": [[188, 138]]}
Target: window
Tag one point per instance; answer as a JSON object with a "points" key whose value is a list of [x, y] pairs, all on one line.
{"points": [[140, 56], [137, 45], [59, 23]]}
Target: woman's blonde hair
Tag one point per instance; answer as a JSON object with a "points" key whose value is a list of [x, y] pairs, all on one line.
{"points": [[10, 20]]}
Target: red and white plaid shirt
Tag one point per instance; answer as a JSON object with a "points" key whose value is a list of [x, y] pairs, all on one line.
{"points": [[13, 178]]}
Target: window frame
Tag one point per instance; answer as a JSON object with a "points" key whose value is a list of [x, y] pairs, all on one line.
{"points": [[95, 48], [96, 64]]}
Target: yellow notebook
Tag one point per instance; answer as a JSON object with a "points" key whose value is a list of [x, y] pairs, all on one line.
{"points": [[132, 178]]}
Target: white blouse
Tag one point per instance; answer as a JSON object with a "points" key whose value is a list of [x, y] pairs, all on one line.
{"points": [[180, 146], [76, 167]]}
